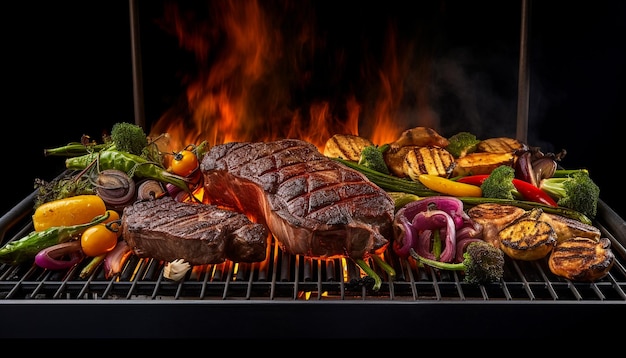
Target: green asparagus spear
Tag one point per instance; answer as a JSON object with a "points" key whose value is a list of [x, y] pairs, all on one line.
{"points": [[19, 251]]}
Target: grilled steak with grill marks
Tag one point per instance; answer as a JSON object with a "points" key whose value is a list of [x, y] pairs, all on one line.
{"points": [[165, 229], [313, 205]]}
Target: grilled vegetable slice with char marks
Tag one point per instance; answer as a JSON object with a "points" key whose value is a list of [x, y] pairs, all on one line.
{"points": [[500, 145], [346, 146], [493, 218], [481, 163], [567, 228], [582, 259], [394, 157], [428, 160], [421, 137], [527, 238]]}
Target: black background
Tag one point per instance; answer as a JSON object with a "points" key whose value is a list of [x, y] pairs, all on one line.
{"points": [[67, 72]]}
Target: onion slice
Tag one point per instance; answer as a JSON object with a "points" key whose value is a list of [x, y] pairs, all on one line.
{"points": [[60, 256], [116, 258]]}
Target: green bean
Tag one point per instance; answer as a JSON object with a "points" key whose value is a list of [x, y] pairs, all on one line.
{"points": [[131, 164], [19, 251]]}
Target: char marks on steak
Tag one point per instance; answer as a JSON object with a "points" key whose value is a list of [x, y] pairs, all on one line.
{"points": [[313, 205], [165, 229]]}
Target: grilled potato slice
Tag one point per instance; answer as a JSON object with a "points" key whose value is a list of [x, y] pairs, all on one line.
{"points": [[346, 146], [499, 145], [394, 158], [420, 136], [567, 228], [527, 238], [582, 259], [428, 160], [482, 163], [493, 218]]}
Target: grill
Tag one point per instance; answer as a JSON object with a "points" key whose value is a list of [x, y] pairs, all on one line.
{"points": [[286, 289], [290, 296]]}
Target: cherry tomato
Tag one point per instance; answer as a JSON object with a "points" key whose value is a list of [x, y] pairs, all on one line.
{"points": [[98, 240], [184, 162]]}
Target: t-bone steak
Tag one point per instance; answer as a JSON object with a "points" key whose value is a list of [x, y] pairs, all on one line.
{"points": [[314, 206], [166, 229]]}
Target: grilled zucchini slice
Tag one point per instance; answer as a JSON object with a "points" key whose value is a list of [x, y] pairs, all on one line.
{"points": [[428, 160], [346, 146], [499, 145]]}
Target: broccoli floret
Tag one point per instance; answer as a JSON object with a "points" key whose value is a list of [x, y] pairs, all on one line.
{"points": [[482, 263], [129, 137], [499, 184], [576, 191], [372, 157], [462, 144]]}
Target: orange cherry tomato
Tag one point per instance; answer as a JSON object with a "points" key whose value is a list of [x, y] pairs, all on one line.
{"points": [[98, 240], [184, 162]]}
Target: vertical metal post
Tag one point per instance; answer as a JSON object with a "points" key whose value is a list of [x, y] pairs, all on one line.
{"points": [[523, 77], [140, 117]]}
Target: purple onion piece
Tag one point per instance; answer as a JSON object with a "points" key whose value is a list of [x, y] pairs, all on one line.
{"points": [[442, 221], [449, 204], [469, 231], [60, 256], [430, 220], [404, 237], [449, 235], [424, 245]]}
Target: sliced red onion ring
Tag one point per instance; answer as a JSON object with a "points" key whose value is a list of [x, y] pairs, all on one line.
{"points": [[60, 256], [405, 237], [442, 221]]}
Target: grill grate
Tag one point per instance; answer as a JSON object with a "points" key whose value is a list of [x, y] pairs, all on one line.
{"points": [[285, 277]]}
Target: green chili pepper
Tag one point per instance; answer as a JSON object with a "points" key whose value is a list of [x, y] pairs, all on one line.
{"points": [[19, 251], [132, 164], [74, 149]]}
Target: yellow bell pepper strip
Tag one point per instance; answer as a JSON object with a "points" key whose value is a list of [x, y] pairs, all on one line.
{"points": [[449, 187], [74, 210], [26, 248]]}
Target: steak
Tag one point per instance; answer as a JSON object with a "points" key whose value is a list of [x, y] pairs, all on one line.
{"points": [[165, 229], [314, 206]]}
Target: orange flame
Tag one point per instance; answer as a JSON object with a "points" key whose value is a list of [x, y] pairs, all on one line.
{"points": [[254, 81]]}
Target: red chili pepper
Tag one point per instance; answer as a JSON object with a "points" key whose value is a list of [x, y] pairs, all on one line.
{"points": [[473, 179], [526, 189], [533, 193]]}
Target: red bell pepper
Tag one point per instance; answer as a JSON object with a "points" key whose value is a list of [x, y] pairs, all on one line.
{"points": [[526, 189]]}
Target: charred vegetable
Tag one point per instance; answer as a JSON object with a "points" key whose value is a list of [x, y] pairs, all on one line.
{"points": [[462, 144], [372, 157], [129, 137], [75, 210], [576, 191], [482, 263], [131, 164], [116, 188], [26, 248]]}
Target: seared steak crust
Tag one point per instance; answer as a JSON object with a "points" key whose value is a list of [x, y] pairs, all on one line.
{"points": [[313, 205], [165, 229]]}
